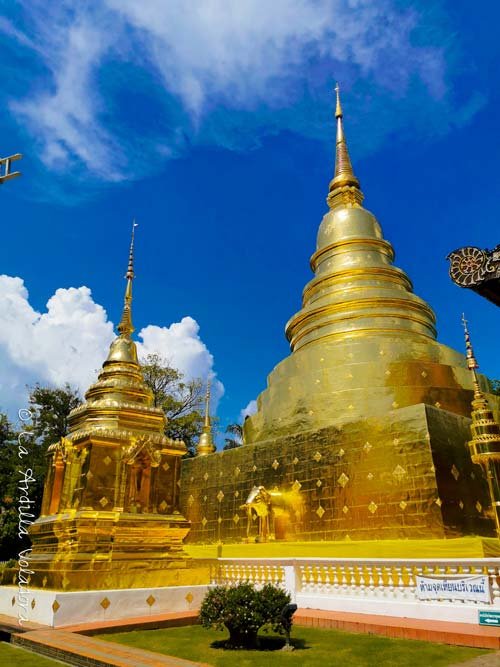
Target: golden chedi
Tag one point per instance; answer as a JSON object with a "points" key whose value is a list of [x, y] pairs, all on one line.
{"points": [[368, 418], [485, 444], [206, 442], [110, 515]]}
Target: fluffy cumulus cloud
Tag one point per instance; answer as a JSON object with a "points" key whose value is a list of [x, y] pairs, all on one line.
{"points": [[216, 72], [249, 410], [70, 340]]}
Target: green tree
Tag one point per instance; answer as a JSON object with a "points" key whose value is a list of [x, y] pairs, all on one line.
{"points": [[180, 399], [235, 430], [495, 387], [10, 545]]}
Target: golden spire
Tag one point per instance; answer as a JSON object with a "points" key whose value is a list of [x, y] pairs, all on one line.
{"points": [[126, 328], [344, 188], [206, 444], [485, 444]]}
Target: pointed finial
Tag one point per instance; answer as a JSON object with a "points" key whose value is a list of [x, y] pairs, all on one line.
{"points": [[126, 328], [207, 404], [338, 107], [471, 359], [206, 443], [344, 188]]}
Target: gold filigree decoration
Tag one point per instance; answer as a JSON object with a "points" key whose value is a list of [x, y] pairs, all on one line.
{"points": [[343, 479], [138, 445], [398, 473]]}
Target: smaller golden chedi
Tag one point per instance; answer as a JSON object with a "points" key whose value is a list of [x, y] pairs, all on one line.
{"points": [[110, 512], [485, 444], [206, 443]]}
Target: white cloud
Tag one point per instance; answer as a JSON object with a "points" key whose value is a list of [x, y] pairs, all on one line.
{"points": [[70, 341], [210, 55], [250, 410]]}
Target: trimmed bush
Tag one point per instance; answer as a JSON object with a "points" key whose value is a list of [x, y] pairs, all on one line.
{"points": [[243, 610]]}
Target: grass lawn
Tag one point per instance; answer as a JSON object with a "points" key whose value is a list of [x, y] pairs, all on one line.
{"points": [[312, 647], [12, 656]]}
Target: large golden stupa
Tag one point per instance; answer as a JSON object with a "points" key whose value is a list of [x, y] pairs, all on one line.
{"points": [[367, 419], [110, 513]]}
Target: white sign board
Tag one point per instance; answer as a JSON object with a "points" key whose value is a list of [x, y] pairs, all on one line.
{"points": [[476, 589]]}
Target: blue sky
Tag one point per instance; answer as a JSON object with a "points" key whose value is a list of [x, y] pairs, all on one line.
{"points": [[211, 123]]}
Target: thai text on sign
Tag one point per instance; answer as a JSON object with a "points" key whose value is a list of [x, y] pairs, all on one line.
{"points": [[476, 589]]}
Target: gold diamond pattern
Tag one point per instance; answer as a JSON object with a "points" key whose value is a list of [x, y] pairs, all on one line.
{"points": [[163, 505], [295, 461], [345, 509], [423, 374], [103, 502], [317, 457], [275, 464], [369, 477], [220, 496], [55, 606], [455, 472], [403, 505], [166, 467], [90, 476], [205, 476], [106, 460], [237, 471], [236, 494], [236, 518], [396, 441], [151, 600], [320, 511], [189, 598], [204, 521], [254, 468], [372, 507], [437, 404], [399, 472], [461, 505], [33, 603], [319, 483], [205, 498], [438, 502], [13, 601], [219, 520], [367, 446], [44, 581], [105, 603], [190, 500], [343, 479], [479, 507], [341, 452], [296, 486], [395, 405]]}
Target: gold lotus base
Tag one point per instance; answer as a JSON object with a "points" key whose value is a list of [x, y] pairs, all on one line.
{"points": [[89, 550]]}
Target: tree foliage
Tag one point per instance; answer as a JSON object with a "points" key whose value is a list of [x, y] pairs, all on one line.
{"points": [[495, 387], [243, 610], [180, 399], [235, 430]]}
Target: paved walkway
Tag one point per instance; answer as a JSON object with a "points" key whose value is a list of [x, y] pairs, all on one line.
{"points": [[88, 652], [490, 660]]}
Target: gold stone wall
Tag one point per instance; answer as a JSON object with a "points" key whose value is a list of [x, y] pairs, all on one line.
{"points": [[408, 475]]}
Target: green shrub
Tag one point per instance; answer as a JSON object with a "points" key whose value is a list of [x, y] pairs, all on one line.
{"points": [[243, 610]]}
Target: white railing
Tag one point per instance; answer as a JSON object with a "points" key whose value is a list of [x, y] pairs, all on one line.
{"points": [[353, 584]]}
